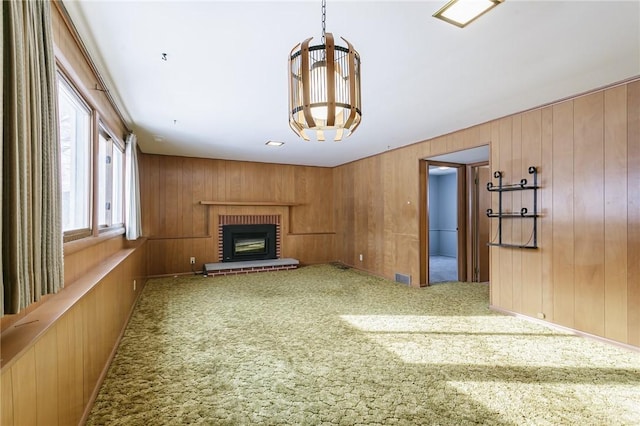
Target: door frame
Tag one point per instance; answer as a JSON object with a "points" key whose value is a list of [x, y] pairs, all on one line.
{"points": [[472, 219], [461, 200]]}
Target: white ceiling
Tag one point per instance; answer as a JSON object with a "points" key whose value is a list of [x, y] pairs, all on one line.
{"points": [[223, 91]]}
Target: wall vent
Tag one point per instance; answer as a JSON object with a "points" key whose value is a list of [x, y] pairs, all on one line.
{"points": [[403, 278]]}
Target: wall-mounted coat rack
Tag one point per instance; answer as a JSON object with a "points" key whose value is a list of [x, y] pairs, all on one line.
{"points": [[523, 213]]}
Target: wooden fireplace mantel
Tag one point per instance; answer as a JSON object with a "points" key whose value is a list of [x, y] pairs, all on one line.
{"points": [[250, 203]]}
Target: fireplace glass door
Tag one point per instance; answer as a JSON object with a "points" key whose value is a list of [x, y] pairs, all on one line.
{"points": [[248, 242]]}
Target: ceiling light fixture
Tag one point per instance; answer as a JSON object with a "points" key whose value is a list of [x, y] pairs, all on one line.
{"points": [[324, 87], [462, 12], [274, 143]]}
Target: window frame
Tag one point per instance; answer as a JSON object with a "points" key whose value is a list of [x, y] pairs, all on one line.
{"points": [[113, 143], [97, 125], [63, 79]]}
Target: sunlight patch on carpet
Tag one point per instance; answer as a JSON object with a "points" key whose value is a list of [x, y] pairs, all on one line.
{"points": [[561, 403]]}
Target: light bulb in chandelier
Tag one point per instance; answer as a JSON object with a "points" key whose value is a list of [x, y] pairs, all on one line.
{"points": [[318, 87]]}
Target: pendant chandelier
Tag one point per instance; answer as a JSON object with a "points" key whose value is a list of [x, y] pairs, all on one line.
{"points": [[324, 87]]}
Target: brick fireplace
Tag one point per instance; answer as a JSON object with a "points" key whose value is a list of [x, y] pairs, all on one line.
{"points": [[248, 220], [251, 243]]}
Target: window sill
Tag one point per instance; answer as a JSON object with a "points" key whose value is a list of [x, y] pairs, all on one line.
{"points": [[83, 243]]}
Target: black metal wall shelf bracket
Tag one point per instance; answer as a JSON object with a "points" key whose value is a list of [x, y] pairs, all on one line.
{"points": [[523, 213]]}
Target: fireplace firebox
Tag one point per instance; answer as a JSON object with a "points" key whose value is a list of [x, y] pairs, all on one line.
{"points": [[248, 242]]}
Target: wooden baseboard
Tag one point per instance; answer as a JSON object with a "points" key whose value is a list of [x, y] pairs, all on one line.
{"points": [[566, 329]]}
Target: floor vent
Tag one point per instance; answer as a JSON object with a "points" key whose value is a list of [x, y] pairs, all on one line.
{"points": [[403, 278]]}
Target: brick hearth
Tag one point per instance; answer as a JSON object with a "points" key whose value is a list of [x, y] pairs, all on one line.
{"points": [[235, 268]]}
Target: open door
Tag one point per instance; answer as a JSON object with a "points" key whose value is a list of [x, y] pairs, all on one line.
{"points": [[479, 223]]}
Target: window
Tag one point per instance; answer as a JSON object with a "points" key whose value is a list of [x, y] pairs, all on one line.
{"points": [[75, 144], [110, 181], [92, 168], [117, 197]]}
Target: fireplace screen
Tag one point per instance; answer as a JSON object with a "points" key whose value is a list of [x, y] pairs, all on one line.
{"points": [[248, 242], [244, 245]]}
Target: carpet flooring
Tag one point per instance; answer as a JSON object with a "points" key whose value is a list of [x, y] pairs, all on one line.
{"points": [[442, 269], [322, 345]]}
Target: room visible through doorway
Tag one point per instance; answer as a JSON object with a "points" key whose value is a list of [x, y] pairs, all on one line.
{"points": [[443, 224]]}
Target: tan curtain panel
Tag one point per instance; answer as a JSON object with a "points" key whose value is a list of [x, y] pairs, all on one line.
{"points": [[31, 219]]}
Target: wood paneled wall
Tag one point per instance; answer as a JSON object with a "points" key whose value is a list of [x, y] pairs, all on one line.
{"points": [[179, 227], [52, 380], [377, 202], [586, 273]]}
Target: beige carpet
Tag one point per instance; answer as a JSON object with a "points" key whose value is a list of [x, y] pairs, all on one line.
{"points": [[325, 346]]}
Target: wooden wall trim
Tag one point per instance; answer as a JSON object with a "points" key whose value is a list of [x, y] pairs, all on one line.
{"points": [[564, 329], [250, 203], [423, 212], [633, 211]]}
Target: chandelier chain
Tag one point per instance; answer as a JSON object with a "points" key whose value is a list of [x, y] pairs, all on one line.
{"points": [[324, 18]]}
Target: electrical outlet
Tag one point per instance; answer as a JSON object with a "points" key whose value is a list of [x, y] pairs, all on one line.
{"points": [[361, 257], [192, 260], [134, 285]]}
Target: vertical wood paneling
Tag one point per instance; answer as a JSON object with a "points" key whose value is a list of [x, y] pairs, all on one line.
{"points": [[23, 379], [172, 197], [513, 175], [375, 210], [531, 275], [70, 371], [311, 187], [46, 371], [187, 206], [615, 213], [494, 252], [506, 256], [484, 223], [589, 213], [181, 227], [633, 212], [91, 343], [6, 398], [198, 193], [388, 213], [545, 236], [562, 198]]}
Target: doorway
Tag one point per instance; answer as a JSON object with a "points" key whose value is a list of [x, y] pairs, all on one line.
{"points": [[443, 223], [466, 223]]}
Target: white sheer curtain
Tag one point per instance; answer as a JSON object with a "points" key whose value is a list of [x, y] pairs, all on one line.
{"points": [[132, 221]]}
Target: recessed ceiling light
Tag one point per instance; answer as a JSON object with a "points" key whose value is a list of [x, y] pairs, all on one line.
{"points": [[274, 143], [443, 168], [462, 12]]}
